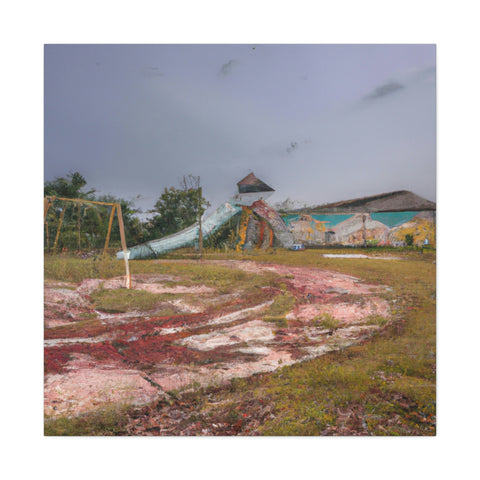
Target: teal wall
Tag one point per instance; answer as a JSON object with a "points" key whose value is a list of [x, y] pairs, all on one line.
{"points": [[393, 219], [390, 219], [332, 219]]}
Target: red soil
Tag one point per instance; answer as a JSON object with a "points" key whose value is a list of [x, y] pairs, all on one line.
{"points": [[134, 358]]}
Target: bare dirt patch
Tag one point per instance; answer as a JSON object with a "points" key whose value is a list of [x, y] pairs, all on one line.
{"points": [[93, 358]]}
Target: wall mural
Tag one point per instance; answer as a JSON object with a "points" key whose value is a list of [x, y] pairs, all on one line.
{"points": [[383, 228]]}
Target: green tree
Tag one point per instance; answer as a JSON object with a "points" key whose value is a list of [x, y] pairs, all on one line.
{"points": [[135, 232], [85, 226], [177, 208], [70, 186], [287, 205], [409, 239]]}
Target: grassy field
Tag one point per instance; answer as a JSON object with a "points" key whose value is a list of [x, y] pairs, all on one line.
{"points": [[384, 386], [387, 386]]}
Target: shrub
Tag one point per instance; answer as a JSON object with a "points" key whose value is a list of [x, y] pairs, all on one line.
{"points": [[280, 322], [328, 322], [377, 320], [281, 305]]}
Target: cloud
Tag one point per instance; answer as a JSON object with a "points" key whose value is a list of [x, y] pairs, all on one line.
{"points": [[226, 68], [381, 91], [292, 147], [404, 80], [428, 74], [151, 72]]}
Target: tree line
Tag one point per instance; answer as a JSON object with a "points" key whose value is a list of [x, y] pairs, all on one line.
{"points": [[84, 227]]}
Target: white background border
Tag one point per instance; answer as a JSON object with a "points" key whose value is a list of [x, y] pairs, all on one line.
{"points": [[27, 25]]}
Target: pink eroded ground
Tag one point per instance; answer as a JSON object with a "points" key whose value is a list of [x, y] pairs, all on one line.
{"points": [[86, 387], [325, 292], [136, 357], [343, 311]]}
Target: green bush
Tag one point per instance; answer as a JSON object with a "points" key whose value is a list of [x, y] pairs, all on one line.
{"points": [[280, 322], [328, 322], [281, 305]]}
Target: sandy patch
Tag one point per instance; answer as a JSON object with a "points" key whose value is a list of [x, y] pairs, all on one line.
{"points": [[256, 331], [231, 317], [345, 312], [82, 390], [175, 378], [63, 341], [63, 296], [87, 287]]}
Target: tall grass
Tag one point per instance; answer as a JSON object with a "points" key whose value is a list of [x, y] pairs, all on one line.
{"points": [[73, 269], [224, 279], [107, 421]]}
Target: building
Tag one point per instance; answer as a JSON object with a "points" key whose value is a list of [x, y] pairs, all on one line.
{"points": [[394, 218]]}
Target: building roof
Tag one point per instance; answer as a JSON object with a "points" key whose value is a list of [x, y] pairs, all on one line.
{"points": [[401, 200], [252, 184]]}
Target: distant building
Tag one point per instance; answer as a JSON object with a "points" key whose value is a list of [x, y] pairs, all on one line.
{"points": [[384, 219]]}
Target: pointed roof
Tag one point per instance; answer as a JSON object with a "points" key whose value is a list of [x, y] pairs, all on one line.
{"points": [[252, 184]]}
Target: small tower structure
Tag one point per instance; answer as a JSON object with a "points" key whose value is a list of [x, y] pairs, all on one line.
{"points": [[250, 190]]}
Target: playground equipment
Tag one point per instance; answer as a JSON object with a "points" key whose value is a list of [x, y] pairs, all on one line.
{"points": [[185, 238], [48, 202], [252, 193]]}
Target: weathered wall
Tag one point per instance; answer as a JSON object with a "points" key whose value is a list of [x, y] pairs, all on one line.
{"points": [[383, 228]]}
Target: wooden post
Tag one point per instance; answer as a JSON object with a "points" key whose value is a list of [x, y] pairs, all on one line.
{"points": [[200, 233], [48, 238], [128, 281], [107, 240], [46, 206], [47, 201], [78, 227], [58, 229], [364, 218]]}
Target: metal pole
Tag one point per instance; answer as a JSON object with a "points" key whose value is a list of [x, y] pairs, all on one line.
{"points": [[128, 281]]}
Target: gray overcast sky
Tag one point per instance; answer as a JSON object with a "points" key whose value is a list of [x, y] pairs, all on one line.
{"points": [[319, 123]]}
